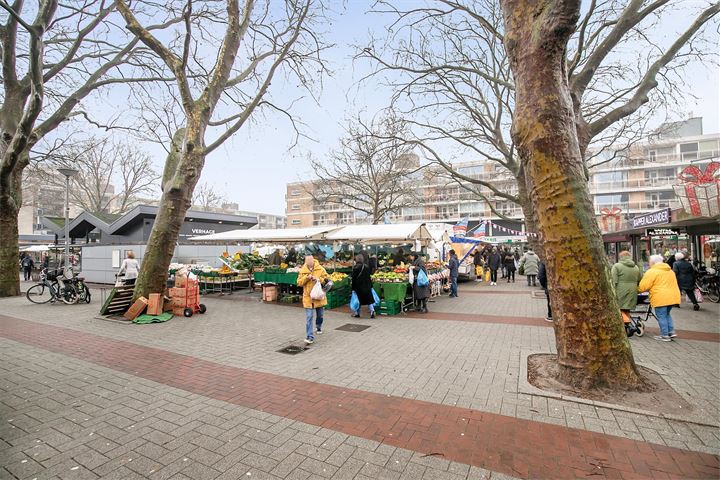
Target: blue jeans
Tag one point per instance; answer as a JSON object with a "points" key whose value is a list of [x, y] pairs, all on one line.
{"points": [[453, 286], [309, 321], [665, 320], [371, 309]]}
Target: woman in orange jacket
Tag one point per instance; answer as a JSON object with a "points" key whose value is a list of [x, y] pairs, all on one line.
{"points": [[662, 284]]}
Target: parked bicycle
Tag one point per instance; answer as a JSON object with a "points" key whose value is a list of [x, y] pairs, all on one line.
{"points": [[54, 287], [708, 282]]}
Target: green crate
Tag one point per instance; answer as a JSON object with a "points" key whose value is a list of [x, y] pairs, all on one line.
{"points": [[390, 307]]}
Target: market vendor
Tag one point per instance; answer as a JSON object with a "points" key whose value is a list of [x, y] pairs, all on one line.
{"points": [[275, 258], [311, 273], [399, 257], [291, 258]]}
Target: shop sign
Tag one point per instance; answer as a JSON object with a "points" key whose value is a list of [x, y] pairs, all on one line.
{"points": [[662, 232], [655, 218]]}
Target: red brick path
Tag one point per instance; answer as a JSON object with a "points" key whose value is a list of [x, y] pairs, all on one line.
{"points": [[504, 444]]}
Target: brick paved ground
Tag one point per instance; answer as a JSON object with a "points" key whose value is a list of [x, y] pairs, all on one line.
{"points": [[470, 364]]}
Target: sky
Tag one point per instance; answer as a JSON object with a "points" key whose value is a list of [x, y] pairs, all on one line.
{"points": [[253, 168]]}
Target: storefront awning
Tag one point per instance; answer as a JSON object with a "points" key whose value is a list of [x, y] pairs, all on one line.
{"points": [[284, 235], [379, 234]]}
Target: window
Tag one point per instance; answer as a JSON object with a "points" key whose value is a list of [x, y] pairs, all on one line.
{"points": [[295, 193], [295, 222], [652, 155], [295, 207], [688, 151]]}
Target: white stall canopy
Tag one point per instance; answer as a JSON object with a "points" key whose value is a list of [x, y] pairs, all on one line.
{"points": [[284, 235], [380, 234], [36, 248]]}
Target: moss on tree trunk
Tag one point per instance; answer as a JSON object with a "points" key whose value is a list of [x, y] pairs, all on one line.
{"points": [[593, 349]]}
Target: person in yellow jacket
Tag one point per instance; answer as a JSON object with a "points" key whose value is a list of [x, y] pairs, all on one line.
{"points": [[662, 284], [311, 273]]}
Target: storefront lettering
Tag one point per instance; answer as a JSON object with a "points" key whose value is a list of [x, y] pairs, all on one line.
{"points": [[655, 218], [202, 231], [662, 232]]}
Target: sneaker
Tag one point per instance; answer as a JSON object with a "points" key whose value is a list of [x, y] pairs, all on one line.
{"points": [[549, 319], [662, 338], [356, 315], [319, 331], [372, 315], [309, 341], [696, 307], [673, 334]]}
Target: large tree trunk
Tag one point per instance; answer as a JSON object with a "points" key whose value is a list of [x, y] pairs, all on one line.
{"points": [[593, 349], [9, 252], [182, 172], [531, 224]]}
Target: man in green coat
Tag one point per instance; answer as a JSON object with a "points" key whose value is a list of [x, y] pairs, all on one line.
{"points": [[626, 277]]}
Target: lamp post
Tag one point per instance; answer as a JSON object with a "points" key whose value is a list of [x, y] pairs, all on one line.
{"points": [[67, 172]]}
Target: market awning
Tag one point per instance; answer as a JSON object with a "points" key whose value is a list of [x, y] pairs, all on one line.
{"points": [[385, 233], [36, 248], [284, 235]]}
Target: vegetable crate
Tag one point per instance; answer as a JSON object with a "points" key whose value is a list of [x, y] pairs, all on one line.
{"points": [[338, 297], [390, 307], [186, 299]]}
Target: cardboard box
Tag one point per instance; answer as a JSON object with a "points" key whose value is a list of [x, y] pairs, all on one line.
{"points": [[179, 311], [155, 304], [136, 309], [180, 281], [270, 293]]}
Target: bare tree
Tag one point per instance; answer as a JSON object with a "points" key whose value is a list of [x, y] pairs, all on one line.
{"points": [[215, 94], [370, 172], [207, 198], [449, 68], [49, 66], [111, 174]]}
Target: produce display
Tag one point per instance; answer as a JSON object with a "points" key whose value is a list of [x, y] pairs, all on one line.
{"points": [[389, 277], [338, 277]]}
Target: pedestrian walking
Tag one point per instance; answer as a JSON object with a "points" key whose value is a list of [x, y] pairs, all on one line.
{"points": [[530, 263], [361, 284], [420, 293], [542, 278], [494, 261], [129, 269], [625, 279], [454, 266], [478, 263], [27, 266], [685, 275], [310, 274], [509, 264], [503, 269], [662, 284]]}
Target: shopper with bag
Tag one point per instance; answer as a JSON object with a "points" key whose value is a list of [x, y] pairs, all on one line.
{"points": [[494, 261], [361, 286], [661, 282], [421, 287], [685, 274], [478, 262], [311, 278], [530, 263], [625, 279], [129, 269]]}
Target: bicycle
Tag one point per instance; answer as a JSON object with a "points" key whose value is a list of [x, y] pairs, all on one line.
{"points": [[708, 282], [51, 290]]}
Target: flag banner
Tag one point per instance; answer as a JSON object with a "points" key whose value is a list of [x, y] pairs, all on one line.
{"points": [[460, 228]]}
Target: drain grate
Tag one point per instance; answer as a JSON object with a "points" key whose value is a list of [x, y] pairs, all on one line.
{"points": [[353, 327], [293, 349]]}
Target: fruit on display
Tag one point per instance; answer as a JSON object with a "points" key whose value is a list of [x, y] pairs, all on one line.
{"points": [[389, 277], [293, 269], [248, 261], [338, 277]]}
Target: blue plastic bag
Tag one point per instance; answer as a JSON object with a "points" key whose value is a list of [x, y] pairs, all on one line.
{"points": [[375, 297], [354, 302], [422, 279]]}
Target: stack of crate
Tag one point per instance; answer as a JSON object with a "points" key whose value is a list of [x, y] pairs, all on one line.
{"points": [[181, 296]]}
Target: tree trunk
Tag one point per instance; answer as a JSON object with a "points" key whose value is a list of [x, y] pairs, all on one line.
{"points": [[593, 349], [531, 224], [186, 161], [9, 251]]}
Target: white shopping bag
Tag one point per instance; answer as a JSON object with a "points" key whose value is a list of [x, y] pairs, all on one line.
{"points": [[317, 292], [411, 275]]}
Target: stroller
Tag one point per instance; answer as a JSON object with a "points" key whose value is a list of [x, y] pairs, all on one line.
{"points": [[639, 316]]}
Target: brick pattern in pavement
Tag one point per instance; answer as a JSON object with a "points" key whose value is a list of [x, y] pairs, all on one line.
{"points": [[496, 442]]}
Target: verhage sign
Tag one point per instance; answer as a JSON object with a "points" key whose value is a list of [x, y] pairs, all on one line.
{"points": [[660, 217]]}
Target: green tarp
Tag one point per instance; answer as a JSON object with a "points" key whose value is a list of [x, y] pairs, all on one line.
{"points": [[145, 318]]}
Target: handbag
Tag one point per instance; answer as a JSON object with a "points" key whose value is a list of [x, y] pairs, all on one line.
{"points": [[487, 275], [698, 295], [317, 292], [521, 270]]}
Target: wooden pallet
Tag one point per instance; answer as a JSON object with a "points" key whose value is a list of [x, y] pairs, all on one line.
{"points": [[118, 301]]}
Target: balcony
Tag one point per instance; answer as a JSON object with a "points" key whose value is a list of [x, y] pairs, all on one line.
{"points": [[642, 206], [641, 161], [633, 185]]}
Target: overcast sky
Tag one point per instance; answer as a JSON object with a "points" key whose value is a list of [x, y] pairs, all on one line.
{"points": [[254, 167]]}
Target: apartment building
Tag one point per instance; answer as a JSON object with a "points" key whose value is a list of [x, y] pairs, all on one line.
{"points": [[641, 179], [634, 181]]}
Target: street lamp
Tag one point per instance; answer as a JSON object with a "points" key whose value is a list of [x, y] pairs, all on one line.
{"points": [[67, 172]]}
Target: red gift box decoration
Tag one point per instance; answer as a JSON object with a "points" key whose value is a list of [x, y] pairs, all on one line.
{"points": [[608, 214], [699, 193]]}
